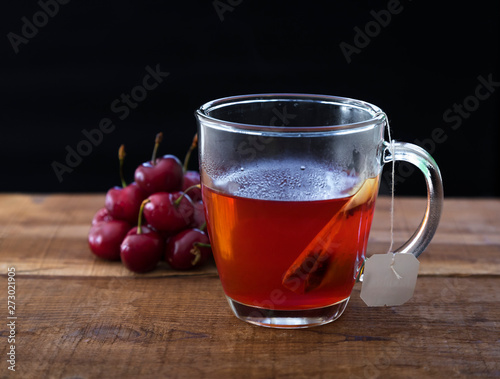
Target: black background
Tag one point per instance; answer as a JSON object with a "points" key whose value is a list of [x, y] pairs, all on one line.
{"points": [[65, 78]]}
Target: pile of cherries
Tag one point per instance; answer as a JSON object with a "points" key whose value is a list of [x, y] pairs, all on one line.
{"points": [[159, 216]]}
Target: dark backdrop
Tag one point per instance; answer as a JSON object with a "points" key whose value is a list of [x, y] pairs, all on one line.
{"points": [[433, 69]]}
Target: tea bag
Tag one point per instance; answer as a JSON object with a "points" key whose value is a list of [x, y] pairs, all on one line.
{"points": [[311, 267], [389, 279]]}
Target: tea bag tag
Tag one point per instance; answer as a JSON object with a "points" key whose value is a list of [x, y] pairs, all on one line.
{"points": [[389, 279]]}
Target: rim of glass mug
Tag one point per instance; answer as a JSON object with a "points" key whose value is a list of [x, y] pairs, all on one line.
{"points": [[375, 115]]}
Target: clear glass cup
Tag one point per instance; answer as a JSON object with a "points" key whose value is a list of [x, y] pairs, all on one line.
{"points": [[289, 184]]}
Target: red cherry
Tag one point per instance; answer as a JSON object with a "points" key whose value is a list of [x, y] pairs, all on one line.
{"points": [[169, 212], [192, 178], [188, 249], [101, 215], [198, 215], [163, 176], [105, 238], [124, 203], [160, 175], [141, 252]]}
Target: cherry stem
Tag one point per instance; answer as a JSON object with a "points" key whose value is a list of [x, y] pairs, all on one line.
{"points": [[193, 146], [158, 139], [197, 254], [201, 244], [203, 226], [121, 157], [139, 221], [178, 201], [196, 251]]}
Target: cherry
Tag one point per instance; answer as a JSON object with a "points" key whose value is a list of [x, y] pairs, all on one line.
{"points": [[188, 249], [160, 175], [101, 215], [142, 248], [124, 203], [163, 176], [169, 211], [192, 179], [198, 215], [105, 238]]}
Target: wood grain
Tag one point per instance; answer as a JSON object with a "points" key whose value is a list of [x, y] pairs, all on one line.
{"points": [[81, 317], [182, 327], [46, 235]]}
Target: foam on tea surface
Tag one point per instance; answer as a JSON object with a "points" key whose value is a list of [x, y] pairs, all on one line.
{"points": [[290, 180]]}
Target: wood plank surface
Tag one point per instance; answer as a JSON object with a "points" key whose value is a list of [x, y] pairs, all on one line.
{"points": [[46, 235], [80, 317], [181, 327]]}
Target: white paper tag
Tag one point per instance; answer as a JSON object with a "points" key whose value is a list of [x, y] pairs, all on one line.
{"points": [[389, 279]]}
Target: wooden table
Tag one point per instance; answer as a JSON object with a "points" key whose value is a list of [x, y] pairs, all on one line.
{"points": [[80, 317]]}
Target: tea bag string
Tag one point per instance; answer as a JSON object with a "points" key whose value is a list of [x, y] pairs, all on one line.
{"points": [[393, 166]]}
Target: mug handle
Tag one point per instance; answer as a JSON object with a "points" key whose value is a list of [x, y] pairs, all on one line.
{"points": [[408, 152]]}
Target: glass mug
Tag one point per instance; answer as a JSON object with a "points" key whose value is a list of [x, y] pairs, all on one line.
{"points": [[289, 183]]}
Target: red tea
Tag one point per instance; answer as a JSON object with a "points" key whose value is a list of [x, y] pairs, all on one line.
{"points": [[289, 255]]}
